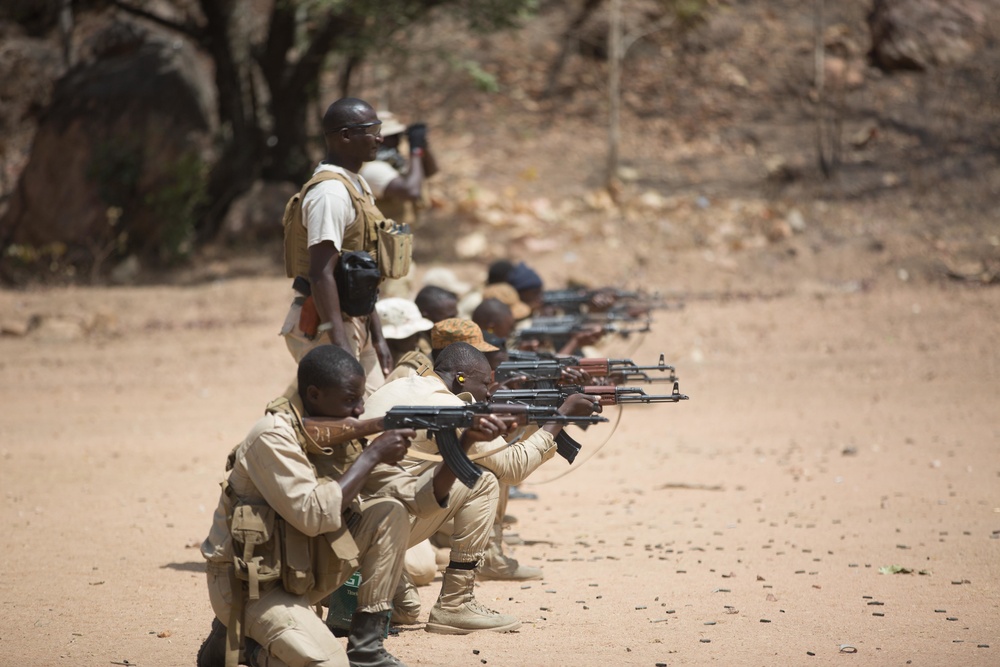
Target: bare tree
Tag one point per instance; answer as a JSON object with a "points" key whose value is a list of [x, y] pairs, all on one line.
{"points": [[264, 133], [619, 43]]}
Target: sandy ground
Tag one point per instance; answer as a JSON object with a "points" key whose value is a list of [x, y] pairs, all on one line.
{"points": [[827, 436]]}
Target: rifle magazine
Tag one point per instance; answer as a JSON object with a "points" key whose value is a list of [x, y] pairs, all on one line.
{"points": [[465, 470]]}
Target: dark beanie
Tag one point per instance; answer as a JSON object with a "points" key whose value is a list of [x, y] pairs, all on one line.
{"points": [[522, 277]]}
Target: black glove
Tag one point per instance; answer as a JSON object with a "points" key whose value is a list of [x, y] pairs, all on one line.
{"points": [[416, 134]]}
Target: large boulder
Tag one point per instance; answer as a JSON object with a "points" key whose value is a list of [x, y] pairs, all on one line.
{"points": [[28, 68], [118, 161], [919, 34]]}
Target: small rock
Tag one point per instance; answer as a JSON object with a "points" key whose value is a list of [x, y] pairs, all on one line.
{"points": [[58, 330], [796, 221], [472, 245], [18, 327], [126, 271]]}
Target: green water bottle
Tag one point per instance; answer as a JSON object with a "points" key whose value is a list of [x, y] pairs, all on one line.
{"points": [[343, 602]]}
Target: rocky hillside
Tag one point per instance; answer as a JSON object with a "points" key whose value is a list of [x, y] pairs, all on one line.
{"points": [[721, 184]]}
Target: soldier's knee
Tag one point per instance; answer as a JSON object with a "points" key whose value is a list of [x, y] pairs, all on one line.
{"points": [[387, 510], [488, 485]]}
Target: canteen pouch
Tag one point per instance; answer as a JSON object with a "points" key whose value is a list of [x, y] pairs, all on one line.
{"points": [[395, 249], [256, 546], [358, 278]]}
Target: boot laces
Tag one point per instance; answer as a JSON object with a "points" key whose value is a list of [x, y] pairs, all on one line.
{"points": [[475, 605]]}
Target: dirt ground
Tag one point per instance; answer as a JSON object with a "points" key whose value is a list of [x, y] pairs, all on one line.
{"points": [[830, 433]]}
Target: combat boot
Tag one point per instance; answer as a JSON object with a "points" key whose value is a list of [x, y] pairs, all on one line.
{"points": [[457, 612], [499, 567], [406, 602], [504, 568], [364, 644], [213, 650]]}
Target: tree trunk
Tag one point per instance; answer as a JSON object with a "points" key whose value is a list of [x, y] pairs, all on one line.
{"points": [[238, 165], [614, 90], [568, 40]]}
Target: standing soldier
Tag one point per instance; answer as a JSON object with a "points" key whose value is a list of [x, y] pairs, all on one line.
{"points": [[398, 183], [333, 214]]}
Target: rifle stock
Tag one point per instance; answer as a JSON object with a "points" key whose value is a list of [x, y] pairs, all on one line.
{"points": [[328, 432]]}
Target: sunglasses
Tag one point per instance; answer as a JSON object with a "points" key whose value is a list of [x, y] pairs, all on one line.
{"points": [[372, 129]]}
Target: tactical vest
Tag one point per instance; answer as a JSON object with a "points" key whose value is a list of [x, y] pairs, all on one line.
{"points": [[266, 547], [362, 234], [416, 360]]}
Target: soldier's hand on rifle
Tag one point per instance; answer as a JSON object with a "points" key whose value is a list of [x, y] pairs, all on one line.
{"points": [[580, 405], [391, 446], [516, 382], [589, 335], [487, 428], [576, 376], [602, 300], [529, 344], [586, 336]]}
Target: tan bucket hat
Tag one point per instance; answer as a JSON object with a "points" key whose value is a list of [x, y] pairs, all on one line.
{"points": [[401, 318], [506, 293], [457, 330]]}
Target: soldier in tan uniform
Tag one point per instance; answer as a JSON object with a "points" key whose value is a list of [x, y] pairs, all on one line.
{"points": [[400, 184], [290, 527], [338, 214], [407, 333], [462, 375]]}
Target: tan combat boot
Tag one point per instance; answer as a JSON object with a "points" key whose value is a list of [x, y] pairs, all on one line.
{"points": [[457, 612], [499, 567], [406, 602]]}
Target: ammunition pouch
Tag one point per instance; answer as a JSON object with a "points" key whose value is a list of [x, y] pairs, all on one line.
{"points": [[395, 249], [256, 546]]}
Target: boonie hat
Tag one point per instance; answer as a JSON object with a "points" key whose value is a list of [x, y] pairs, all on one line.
{"points": [[506, 294], [401, 318], [390, 125], [457, 330]]}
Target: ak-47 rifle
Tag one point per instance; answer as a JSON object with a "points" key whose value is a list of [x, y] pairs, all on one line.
{"points": [[578, 300], [443, 422], [560, 328], [609, 395], [549, 368]]}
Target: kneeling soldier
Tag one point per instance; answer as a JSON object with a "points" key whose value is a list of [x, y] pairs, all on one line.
{"points": [[290, 529]]}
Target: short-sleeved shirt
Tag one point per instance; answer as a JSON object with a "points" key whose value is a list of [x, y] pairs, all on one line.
{"points": [[327, 210], [379, 174]]}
